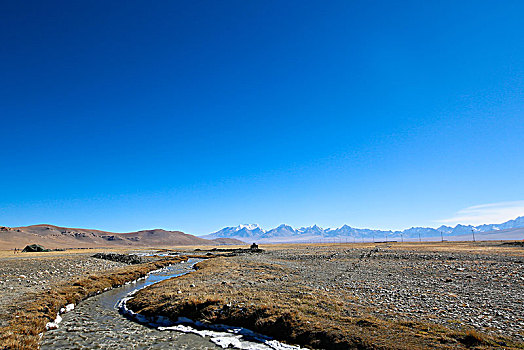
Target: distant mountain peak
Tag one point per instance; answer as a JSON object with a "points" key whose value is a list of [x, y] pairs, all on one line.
{"points": [[311, 229], [286, 233], [284, 226]]}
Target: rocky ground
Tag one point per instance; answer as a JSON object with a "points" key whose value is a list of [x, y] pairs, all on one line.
{"points": [[369, 293], [360, 292], [455, 289], [22, 275]]}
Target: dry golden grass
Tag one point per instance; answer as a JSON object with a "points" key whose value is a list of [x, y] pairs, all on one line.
{"points": [[27, 323], [224, 291]]}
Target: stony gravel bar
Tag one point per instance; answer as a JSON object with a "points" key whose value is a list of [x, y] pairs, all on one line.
{"points": [[23, 275], [454, 288], [385, 295]]}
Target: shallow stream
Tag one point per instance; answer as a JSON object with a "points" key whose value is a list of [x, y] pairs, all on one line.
{"points": [[96, 323]]}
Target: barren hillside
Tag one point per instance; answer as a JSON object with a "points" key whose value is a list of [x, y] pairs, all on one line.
{"points": [[51, 236]]}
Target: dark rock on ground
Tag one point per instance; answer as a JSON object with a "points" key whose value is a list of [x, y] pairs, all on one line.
{"points": [[35, 248], [123, 258]]}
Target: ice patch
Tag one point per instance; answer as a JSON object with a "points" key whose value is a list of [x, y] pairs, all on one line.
{"points": [[58, 319], [54, 324], [67, 308], [227, 336], [230, 337], [228, 342]]}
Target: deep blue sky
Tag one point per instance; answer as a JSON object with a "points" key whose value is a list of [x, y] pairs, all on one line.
{"points": [[195, 115]]}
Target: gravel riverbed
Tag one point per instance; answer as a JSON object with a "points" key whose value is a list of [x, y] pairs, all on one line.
{"points": [[456, 289], [477, 287]]}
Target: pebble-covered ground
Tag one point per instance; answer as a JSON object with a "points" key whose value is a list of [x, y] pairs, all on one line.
{"points": [[23, 275], [459, 286], [453, 288], [480, 288]]}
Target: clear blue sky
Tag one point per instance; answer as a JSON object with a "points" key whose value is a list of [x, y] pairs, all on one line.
{"points": [[195, 115]]}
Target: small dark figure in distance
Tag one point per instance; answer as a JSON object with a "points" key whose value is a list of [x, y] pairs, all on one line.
{"points": [[254, 247]]}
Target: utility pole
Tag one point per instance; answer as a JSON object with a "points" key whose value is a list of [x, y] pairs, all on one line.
{"points": [[402, 238], [419, 239], [441, 237], [473, 233]]}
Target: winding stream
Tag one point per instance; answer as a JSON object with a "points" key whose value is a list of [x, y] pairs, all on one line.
{"points": [[97, 323]]}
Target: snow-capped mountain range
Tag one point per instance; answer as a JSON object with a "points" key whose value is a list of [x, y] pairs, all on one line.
{"points": [[286, 233]]}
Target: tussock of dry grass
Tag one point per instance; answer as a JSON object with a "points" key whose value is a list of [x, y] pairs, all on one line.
{"points": [[27, 323], [291, 313]]}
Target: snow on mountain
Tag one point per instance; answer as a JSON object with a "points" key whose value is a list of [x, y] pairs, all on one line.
{"points": [[516, 223], [344, 230], [286, 233], [249, 227], [445, 229], [484, 228], [241, 232]]}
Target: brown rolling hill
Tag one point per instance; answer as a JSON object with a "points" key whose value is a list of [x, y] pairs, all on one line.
{"points": [[53, 237]]}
